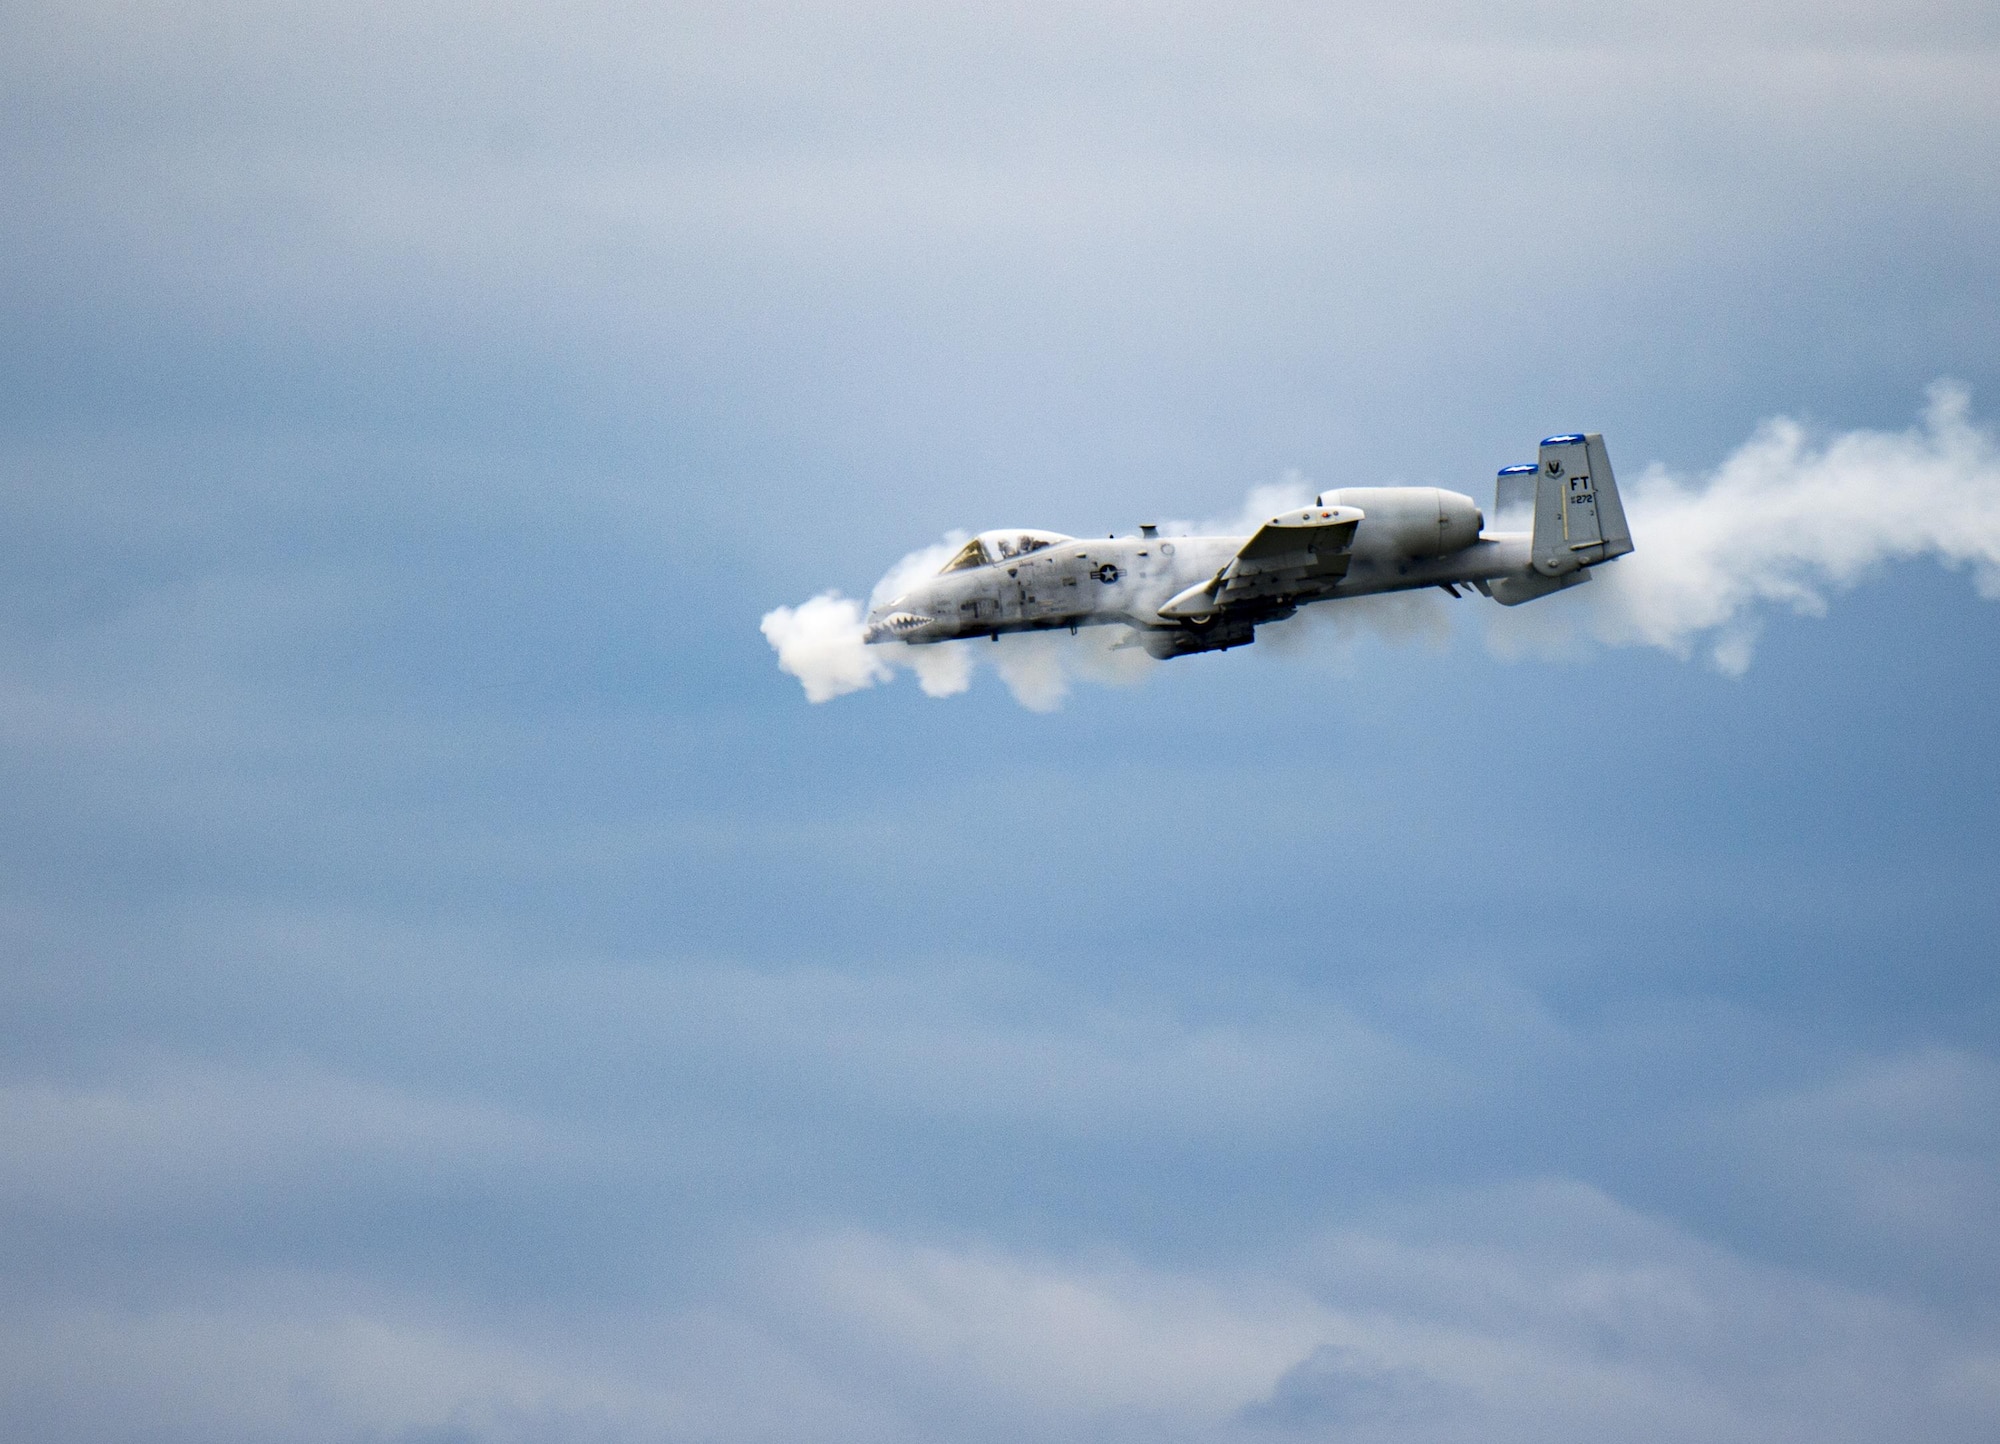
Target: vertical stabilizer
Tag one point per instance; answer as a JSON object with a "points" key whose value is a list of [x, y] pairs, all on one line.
{"points": [[1514, 498], [1579, 519]]}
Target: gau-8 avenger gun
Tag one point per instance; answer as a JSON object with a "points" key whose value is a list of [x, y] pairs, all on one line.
{"points": [[1207, 593]]}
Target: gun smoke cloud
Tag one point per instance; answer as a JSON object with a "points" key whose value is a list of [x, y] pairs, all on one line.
{"points": [[820, 641], [1785, 521]]}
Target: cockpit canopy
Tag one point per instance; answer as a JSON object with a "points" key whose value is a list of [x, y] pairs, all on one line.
{"points": [[1000, 546]]}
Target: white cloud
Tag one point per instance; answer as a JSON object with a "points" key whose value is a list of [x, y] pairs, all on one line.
{"points": [[309, 1360], [1525, 1313], [1895, 1156], [1056, 1341]]}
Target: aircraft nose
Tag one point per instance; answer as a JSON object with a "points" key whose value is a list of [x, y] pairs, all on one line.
{"points": [[887, 624]]}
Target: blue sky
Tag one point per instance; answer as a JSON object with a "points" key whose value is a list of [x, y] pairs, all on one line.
{"points": [[459, 990]]}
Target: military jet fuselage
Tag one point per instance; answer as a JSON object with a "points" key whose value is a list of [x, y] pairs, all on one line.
{"points": [[1187, 594]]}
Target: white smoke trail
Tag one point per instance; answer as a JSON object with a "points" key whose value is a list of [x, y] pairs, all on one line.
{"points": [[1783, 521]]}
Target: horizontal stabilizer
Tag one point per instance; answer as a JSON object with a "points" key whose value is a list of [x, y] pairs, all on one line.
{"points": [[1512, 591]]}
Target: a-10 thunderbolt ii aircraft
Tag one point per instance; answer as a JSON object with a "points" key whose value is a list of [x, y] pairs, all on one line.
{"points": [[1206, 593]]}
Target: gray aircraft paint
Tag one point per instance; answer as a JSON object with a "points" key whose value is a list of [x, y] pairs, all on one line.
{"points": [[1206, 593]]}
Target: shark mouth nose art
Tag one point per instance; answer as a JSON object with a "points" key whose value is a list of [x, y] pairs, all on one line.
{"points": [[897, 624]]}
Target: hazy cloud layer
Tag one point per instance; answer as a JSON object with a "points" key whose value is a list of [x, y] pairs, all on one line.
{"points": [[1626, 1329]]}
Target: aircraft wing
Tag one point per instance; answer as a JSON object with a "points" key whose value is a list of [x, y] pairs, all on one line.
{"points": [[1299, 554]]}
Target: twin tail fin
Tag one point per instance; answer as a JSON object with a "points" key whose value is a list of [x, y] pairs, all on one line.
{"points": [[1579, 520]]}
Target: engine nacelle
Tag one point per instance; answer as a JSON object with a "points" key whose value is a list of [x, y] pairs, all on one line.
{"points": [[1410, 522]]}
